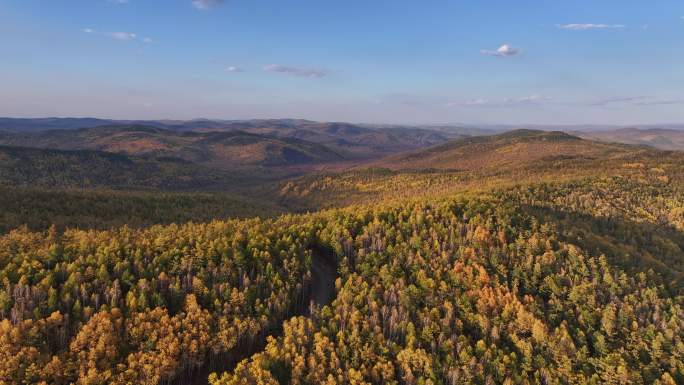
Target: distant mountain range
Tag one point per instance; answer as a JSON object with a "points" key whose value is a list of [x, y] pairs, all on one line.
{"points": [[223, 149], [193, 155], [661, 138], [267, 166], [42, 124], [570, 127], [216, 154], [280, 142]]}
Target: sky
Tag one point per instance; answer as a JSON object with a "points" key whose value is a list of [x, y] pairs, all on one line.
{"points": [[373, 61]]}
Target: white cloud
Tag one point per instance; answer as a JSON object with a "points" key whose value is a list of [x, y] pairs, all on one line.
{"points": [[119, 1], [587, 27], [125, 36], [233, 69], [147, 40], [503, 51], [88, 30], [296, 71], [205, 4]]}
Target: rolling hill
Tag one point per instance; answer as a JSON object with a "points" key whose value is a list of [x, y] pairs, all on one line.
{"points": [[363, 142], [661, 138], [519, 149], [231, 149], [515, 157], [96, 189], [352, 141], [81, 164], [84, 169]]}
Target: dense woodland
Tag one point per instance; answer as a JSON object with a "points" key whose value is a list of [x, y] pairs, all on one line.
{"points": [[143, 306], [476, 290], [48, 168], [570, 270], [39, 209]]}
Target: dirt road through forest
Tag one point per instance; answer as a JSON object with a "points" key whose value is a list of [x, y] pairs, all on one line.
{"points": [[321, 292]]}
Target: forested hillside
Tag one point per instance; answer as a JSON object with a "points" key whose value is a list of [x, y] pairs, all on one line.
{"points": [[524, 258], [480, 290], [319, 142], [483, 163], [662, 138], [31, 167], [96, 189], [520, 149], [231, 149], [39, 209]]}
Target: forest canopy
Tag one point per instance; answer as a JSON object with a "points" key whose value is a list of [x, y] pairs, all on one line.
{"points": [[570, 275]]}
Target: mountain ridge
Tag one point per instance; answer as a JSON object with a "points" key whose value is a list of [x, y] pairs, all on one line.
{"points": [[227, 149], [510, 150]]}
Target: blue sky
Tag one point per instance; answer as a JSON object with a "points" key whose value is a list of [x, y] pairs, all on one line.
{"points": [[400, 61]]}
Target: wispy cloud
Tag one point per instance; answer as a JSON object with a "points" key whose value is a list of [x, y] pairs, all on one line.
{"points": [[471, 103], [614, 100], [531, 100], [537, 100], [233, 69], [659, 102], [118, 1], [296, 71], [590, 26], [125, 36], [122, 36], [503, 51], [205, 4], [639, 101]]}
